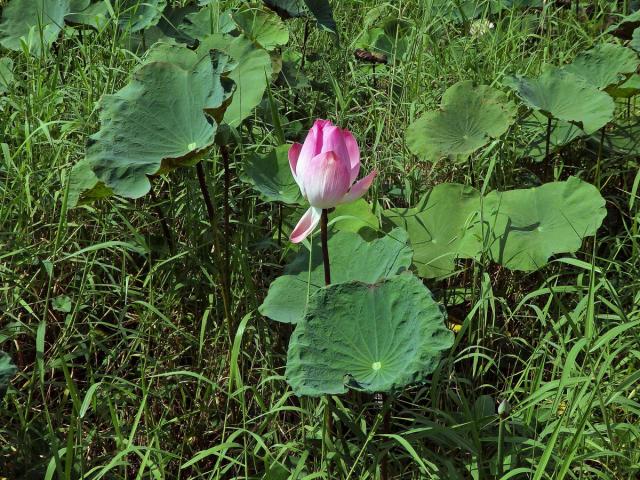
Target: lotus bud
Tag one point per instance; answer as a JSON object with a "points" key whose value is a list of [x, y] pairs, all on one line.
{"points": [[326, 167]]}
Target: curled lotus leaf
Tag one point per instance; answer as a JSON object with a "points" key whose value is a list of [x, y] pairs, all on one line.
{"points": [[156, 123], [469, 117], [606, 65], [351, 259], [251, 73], [32, 23], [527, 226], [377, 337], [560, 94], [440, 228]]}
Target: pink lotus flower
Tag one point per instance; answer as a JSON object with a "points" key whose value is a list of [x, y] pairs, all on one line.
{"points": [[325, 168]]}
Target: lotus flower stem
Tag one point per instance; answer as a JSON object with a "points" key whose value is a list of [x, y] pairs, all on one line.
{"points": [[226, 292], [324, 227], [599, 159], [166, 232], [227, 208], [548, 142]]}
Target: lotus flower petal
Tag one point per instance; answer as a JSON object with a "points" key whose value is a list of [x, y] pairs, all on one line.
{"points": [[306, 225], [359, 188], [326, 180], [294, 155], [354, 154]]}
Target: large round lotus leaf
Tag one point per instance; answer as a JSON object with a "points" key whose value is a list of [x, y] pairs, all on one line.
{"points": [[605, 65], [6, 74], [533, 137], [440, 228], [470, 116], [527, 226], [270, 174], [95, 15], [136, 15], [627, 89], [375, 338], [207, 21], [157, 120], [562, 95], [7, 370], [287, 8], [262, 26], [36, 23], [251, 74], [351, 258]]}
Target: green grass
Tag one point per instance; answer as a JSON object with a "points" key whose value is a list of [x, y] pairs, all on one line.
{"points": [[141, 379]]}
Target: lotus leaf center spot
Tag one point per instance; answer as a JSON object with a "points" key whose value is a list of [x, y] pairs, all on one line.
{"points": [[191, 146], [376, 365]]}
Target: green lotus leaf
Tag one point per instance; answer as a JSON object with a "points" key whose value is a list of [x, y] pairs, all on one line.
{"points": [[469, 117], [136, 15], [262, 26], [377, 337], [156, 122], [527, 226], [6, 74], [392, 39], [626, 26], [534, 136], [563, 95], [34, 23], [606, 65], [351, 258], [635, 40], [287, 8], [7, 370], [624, 139], [627, 89], [84, 186], [251, 74], [322, 12], [95, 15], [440, 228], [270, 174], [207, 21], [356, 217]]}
